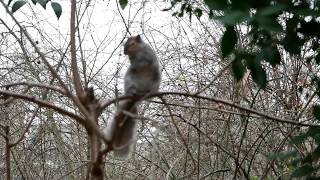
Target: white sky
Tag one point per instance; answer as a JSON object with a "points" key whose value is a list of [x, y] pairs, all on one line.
{"points": [[103, 27]]}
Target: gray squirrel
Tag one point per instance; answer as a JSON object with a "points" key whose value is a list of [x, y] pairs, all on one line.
{"points": [[142, 77]]}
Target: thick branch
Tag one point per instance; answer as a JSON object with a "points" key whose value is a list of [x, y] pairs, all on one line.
{"points": [[74, 66]]}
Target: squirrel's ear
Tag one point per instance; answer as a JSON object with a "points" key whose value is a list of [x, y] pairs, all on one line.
{"points": [[138, 38]]}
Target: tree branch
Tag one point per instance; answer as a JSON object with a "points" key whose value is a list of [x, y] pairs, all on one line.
{"points": [[32, 84], [106, 103], [25, 130], [74, 66], [46, 104]]}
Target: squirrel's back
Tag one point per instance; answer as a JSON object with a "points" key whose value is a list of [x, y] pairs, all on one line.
{"points": [[143, 75]]}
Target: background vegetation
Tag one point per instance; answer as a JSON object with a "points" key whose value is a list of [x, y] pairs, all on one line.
{"points": [[239, 91]]}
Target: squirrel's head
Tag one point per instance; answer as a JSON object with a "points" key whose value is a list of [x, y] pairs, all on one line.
{"points": [[132, 46]]}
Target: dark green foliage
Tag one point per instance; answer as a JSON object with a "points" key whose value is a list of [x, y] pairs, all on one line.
{"points": [[268, 23], [310, 28], [198, 12], [229, 41], [233, 18], [272, 9], [269, 28], [238, 69], [304, 165], [57, 9], [299, 139], [303, 170], [317, 58], [55, 6], [292, 43], [123, 3], [257, 72], [270, 54], [216, 4], [17, 5], [274, 25], [43, 3], [316, 111]]}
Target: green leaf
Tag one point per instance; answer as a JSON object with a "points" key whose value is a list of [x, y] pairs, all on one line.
{"points": [[316, 138], [216, 4], [233, 17], [17, 5], [269, 24], [307, 12], [299, 139], [123, 3], [309, 28], [43, 3], [292, 43], [270, 54], [316, 153], [240, 5], [312, 131], [304, 170], [316, 111], [317, 58], [57, 9], [294, 162], [258, 74], [238, 69], [198, 12], [307, 159], [271, 10], [229, 41]]}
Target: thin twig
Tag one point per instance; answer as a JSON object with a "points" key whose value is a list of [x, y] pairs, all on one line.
{"points": [[215, 78], [25, 130]]}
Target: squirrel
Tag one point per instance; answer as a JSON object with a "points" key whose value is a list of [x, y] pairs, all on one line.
{"points": [[142, 77]]}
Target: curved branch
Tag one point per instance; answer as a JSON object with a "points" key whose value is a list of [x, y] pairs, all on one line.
{"points": [[46, 104], [105, 103], [31, 84], [87, 124]]}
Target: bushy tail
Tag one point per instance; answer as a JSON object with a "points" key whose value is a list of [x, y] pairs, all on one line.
{"points": [[122, 129]]}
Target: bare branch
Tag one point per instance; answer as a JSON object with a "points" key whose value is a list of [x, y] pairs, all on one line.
{"points": [[43, 103], [52, 70], [106, 103], [215, 78], [25, 130], [31, 84], [74, 65]]}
